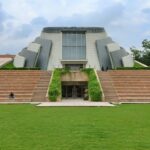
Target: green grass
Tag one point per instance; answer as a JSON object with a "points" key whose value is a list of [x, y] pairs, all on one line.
{"points": [[26, 127], [9, 66], [137, 65]]}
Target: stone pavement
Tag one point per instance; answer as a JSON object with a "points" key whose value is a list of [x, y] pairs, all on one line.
{"points": [[75, 102]]}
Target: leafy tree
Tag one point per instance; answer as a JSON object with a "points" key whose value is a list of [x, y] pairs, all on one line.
{"points": [[146, 53], [142, 55], [146, 44], [136, 53]]}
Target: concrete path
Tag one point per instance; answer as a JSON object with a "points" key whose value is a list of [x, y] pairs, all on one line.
{"points": [[4, 61], [75, 103], [34, 103]]}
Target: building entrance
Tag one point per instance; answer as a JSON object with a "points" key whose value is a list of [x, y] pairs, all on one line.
{"points": [[73, 90], [74, 66]]}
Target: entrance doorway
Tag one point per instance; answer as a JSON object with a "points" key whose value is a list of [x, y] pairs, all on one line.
{"points": [[73, 89], [74, 66]]}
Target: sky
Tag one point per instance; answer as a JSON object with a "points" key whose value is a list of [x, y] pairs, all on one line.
{"points": [[21, 21]]}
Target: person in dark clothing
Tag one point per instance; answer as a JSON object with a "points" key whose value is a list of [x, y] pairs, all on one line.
{"points": [[107, 68], [11, 95], [102, 68]]}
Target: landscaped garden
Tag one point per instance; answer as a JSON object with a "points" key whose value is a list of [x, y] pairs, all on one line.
{"points": [[27, 127]]}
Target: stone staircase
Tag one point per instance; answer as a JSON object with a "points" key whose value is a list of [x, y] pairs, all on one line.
{"points": [[27, 85], [110, 93], [126, 85], [41, 88]]}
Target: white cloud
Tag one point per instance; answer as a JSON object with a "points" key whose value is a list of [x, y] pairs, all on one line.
{"points": [[125, 20]]}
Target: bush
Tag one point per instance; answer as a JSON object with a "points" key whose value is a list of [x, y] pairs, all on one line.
{"points": [[55, 85], [94, 90]]}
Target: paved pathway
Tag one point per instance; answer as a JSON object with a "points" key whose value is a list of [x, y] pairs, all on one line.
{"points": [[75, 103], [4, 61]]}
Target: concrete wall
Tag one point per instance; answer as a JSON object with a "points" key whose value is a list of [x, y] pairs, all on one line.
{"points": [[103, 53], [116, 53], [128, 61], [19, 61], [45, 52], [56, 51], [91, 52], [31, 55], [75, 76]]}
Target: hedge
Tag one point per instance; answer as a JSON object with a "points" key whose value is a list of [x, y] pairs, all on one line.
{"points": [[55, 85], [94, 89]]}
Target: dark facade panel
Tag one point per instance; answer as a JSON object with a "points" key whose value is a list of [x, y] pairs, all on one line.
{"points": [[31, 57], [80, 29], [45, 52], [102, 52]]}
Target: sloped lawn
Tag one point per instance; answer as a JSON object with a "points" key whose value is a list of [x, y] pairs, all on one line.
{"points": [[27, 127]]}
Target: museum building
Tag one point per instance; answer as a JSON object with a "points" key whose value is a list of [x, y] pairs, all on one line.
{"points": [[75, 48]]}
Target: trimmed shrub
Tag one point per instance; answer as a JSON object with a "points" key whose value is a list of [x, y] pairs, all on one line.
{"points": [[94, 90]]}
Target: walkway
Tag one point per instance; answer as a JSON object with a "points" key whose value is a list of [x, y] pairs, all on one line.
{"points": [[78, 102], [4, 61]]}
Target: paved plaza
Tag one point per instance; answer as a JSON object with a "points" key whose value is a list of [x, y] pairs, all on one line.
{"points": [[75, 102]]}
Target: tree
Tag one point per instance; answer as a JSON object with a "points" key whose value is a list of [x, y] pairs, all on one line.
{"points": [[146, 44], [136, 53], [142, 55], [146, 54]]}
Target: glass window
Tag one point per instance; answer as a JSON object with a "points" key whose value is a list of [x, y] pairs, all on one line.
{"points": [[73, 46]]}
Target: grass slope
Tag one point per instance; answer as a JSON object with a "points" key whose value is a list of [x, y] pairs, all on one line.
{"points": [[9, 65], [137, 65], [26, 127]]}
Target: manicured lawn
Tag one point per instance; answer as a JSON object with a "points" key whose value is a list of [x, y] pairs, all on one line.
{"points": [[26, 127]]}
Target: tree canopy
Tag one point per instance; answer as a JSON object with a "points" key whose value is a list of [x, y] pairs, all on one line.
{"points": [[142, 55]]}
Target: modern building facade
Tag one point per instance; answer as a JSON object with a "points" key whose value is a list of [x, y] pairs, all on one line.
{"points": [[73, 47]]}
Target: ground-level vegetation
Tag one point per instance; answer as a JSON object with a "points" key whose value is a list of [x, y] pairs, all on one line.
{"points": [[94, 89], [55, 90], [137, 64], [26, 127], [10, 66]]}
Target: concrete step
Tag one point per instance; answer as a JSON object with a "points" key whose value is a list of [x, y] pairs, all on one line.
{"points": [[23, 84], [128, 85]]}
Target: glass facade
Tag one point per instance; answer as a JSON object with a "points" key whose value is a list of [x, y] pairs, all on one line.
{"points": [[73, 46]]}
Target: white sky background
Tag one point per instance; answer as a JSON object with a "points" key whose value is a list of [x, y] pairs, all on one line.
{"points": [[21, 21]]}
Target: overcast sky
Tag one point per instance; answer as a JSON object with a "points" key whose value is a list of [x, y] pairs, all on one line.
{"points": [[126, 21]]}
